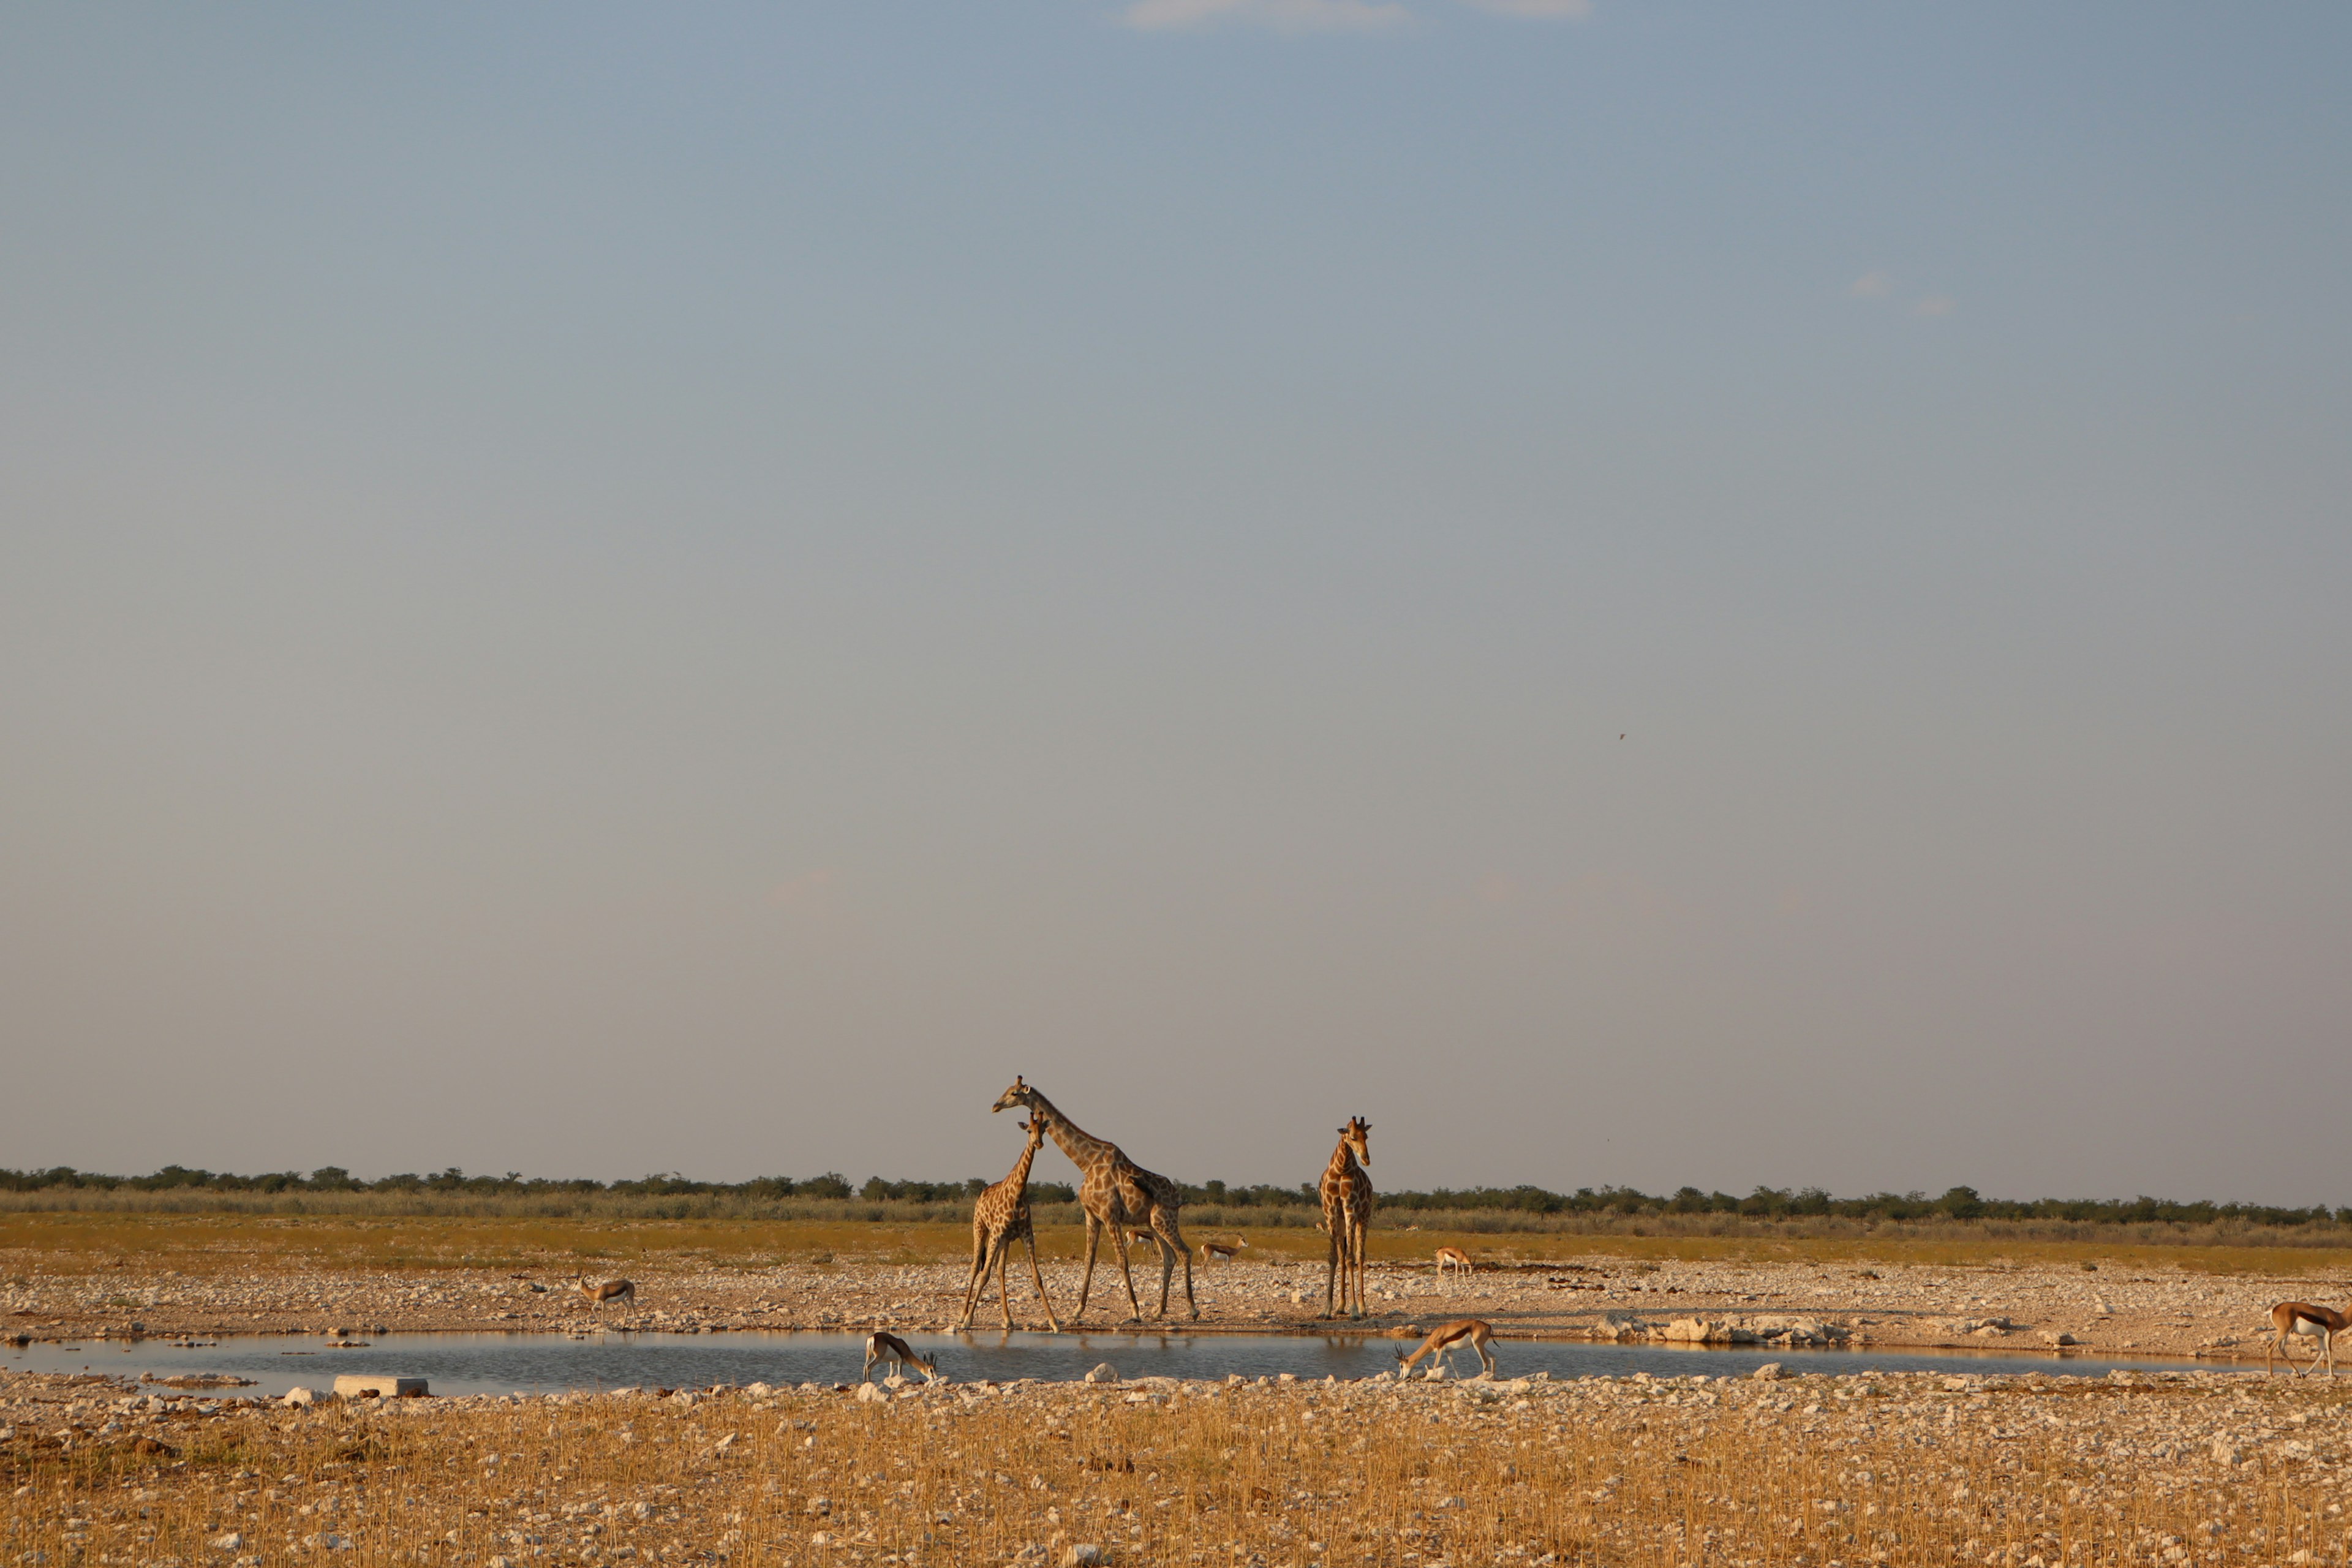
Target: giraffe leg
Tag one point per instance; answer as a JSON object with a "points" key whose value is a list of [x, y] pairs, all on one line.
{"points": [[1335, 1245], [1004, 1278], [1192, 1306], [1126, 1272], [1170, 1230], [1094, 1239], [1352, 1260], [979, 1274], [1038, 1275], [1351, 1270]]}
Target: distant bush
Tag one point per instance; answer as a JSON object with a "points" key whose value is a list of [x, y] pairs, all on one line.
{"points": [[1517, 1205]]}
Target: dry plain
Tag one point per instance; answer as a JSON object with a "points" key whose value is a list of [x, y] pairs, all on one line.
{"points": [[65, 1274], [2208, 1465]]}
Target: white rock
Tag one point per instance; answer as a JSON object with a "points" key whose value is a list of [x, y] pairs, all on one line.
{"points": [[228, 1542], [300, 1396], [871, 1393], [1087, 1556], [360, 1386], [1768, 1372], [1103, 1372]]}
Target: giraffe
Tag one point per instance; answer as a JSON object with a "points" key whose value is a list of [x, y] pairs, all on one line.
{"points": [[999, 1219], [1347, 1194], [1115, 1193]]}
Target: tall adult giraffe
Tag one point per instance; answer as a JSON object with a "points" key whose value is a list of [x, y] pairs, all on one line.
{"points": [[1347, 1194], [1000, 1218], [1115, 1193]]}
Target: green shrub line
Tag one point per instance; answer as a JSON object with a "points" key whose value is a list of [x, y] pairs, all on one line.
{"points": [[830, 1196]]}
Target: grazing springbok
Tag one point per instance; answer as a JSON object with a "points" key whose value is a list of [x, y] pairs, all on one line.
{"points": [[2323, 1323], [610, 1290], [1453, 1257], [999, 1219], [887, 1348], [1447, 1338]]}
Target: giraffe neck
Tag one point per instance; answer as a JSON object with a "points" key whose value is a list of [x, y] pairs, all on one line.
{"points": [[1019, 1179], [1084, 1150], [1343, 1161]]}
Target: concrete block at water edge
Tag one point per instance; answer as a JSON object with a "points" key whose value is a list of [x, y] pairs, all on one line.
{"points": [[355, 1385]]}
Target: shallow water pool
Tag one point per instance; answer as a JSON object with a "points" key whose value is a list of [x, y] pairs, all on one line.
{"points": [[501, 1363]]}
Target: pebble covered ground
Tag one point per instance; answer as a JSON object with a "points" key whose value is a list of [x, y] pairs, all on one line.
{"points": [[2114, 1308], [2028, 1471]]}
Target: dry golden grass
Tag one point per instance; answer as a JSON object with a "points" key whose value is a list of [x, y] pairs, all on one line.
{"points": [[69, 1243], [1670, 1474]]}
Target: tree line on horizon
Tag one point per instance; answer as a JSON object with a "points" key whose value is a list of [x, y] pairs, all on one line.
{"points": [[1764, 1202]]}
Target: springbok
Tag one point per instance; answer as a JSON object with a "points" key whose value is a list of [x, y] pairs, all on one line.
{"points": [[887, 1348], [1447, 1338], [2323, 1323], [1454, 1259], [610, 1290], [1210, 1250]]}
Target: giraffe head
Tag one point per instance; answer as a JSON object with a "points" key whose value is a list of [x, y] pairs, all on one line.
{"points": [[1357, 1135], [1035, 1128], [1019, 1094]]}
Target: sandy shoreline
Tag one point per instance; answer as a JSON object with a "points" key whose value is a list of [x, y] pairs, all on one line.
{"points": [[2138, 1312]]}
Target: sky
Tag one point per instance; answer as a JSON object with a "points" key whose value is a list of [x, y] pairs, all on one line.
{"points": [[1638, 594]]}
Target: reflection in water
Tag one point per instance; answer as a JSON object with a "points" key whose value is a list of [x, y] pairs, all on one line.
{"points": [[499, 1363]]}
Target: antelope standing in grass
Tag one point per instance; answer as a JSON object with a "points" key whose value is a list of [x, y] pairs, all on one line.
{"points": [[1210, 1250], [1447, 1338], [1453, 1258]]}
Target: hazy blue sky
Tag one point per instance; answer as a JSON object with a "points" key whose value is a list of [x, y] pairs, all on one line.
{"points": [[591, 590]]}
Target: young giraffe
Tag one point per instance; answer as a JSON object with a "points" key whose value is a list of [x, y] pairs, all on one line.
{"points": [[999, 1219], [1116, 1193], [1347, 1194]]}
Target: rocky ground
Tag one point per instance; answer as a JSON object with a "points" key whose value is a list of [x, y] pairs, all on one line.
{"points": [[2031, 1471], [2115, 1310]]}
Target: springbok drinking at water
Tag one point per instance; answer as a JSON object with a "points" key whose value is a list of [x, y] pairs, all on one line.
{"points": [[1447, 1338], [887, 1348], [2302, 1318], [610, 1290]]}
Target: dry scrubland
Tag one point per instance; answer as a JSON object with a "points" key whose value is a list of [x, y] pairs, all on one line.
{"points": [[1906, 1469], [2194, 1468], [66, 1274]]}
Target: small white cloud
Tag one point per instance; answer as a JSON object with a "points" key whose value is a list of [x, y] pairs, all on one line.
{"points": [[1872, 286], [1550, 10], [1935, 305], [1283, 16]]}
